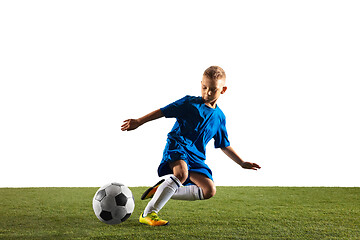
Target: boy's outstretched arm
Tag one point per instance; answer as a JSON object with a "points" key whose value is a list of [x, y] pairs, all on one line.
{"points": [[230, 152], [131, 124]]}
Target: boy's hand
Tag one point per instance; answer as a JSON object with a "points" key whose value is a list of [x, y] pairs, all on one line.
{"points": [[250, 165], [230, 152], [130, 124]]}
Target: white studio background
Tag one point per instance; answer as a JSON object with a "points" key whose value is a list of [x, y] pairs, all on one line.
{"points": [[72, 71]]}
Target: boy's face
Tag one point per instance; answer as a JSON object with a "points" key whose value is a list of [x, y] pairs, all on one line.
{"points": [[212, 89]]}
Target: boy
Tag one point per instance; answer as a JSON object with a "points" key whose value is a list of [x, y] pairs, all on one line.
{"points": [[199, 120]]}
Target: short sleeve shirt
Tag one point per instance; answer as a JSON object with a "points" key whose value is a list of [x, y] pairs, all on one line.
{"points": [[196, 124]]}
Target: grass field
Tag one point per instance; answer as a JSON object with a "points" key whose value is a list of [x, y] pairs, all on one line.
{"points": [[234, 213]]}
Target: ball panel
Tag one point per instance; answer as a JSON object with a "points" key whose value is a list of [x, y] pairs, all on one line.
{"points": [[105, 215], [108, 203], [96, 207], [117, 184], [121, 199], [126, 217], [100, 195], [130, 205], [126, 191], [113, 190], [119, 212]]}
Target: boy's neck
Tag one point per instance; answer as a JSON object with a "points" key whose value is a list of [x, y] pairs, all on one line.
{"points": [[211, 104]]}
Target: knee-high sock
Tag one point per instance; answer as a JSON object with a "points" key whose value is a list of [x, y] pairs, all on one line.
{"points": [[162, 195], [189, 193]]}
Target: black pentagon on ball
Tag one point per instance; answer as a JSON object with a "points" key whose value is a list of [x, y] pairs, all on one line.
{"points": [[100, 195], [126, 217], [106, 215], [121, 199]]}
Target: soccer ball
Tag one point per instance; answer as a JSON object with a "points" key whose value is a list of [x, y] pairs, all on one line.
{"points": [[113, 203]]}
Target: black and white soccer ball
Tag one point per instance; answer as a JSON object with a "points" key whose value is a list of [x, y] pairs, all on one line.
{"points": [[113, 203]]}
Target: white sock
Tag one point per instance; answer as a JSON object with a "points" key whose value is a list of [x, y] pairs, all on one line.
{"points": [[162, 195], [190, 193]]}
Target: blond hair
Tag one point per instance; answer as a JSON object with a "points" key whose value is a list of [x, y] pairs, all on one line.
{"points": [[215, 73]]}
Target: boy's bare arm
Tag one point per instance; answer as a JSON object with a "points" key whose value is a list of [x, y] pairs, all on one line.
{"points": [[230, 152], [131, 124]]}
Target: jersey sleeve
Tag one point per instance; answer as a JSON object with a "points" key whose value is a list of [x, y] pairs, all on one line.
{"points": [[221, 137], [175, 109]]}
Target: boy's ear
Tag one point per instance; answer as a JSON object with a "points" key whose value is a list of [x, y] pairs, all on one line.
{"points": [[224, 89]]}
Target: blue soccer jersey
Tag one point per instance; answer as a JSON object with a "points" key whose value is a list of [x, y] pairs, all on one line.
{"points": [[196, 124]]}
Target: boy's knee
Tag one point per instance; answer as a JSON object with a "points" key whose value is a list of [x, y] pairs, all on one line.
{"points": [[182, 176], [180, 170], [209, 192]]}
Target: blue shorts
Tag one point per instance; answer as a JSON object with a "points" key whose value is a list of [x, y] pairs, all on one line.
{"points": [[173, 152]]}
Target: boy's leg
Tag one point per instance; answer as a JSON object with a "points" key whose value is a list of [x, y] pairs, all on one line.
{"points": [[195, 192], [205, 183], [165, 191], [180, 170], [189, 193], [204, 188]]}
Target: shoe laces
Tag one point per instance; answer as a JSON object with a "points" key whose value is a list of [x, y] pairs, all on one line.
{"points": [[154, 217]]}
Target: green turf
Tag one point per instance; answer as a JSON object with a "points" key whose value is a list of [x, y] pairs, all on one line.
{"points": [[234, 213]]}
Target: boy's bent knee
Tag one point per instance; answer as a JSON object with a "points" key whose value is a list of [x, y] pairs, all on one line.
{"points": [[180, 170], [209, 192], [182, 176]]}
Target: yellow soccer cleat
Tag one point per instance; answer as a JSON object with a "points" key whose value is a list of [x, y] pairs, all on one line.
{"points": [[149, 193], [152, 219]]}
